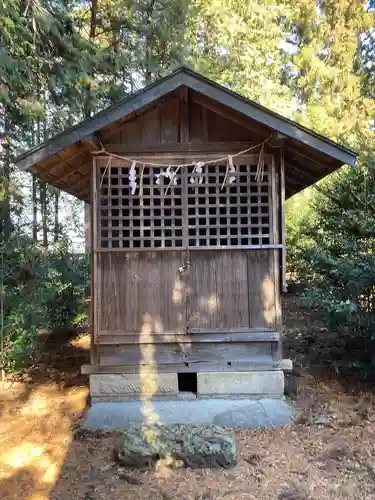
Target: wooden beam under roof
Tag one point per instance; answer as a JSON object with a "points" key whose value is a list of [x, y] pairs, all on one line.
{"points": [[268, 117], [80, 169], [303, 171], [180, 148], [229, 114], [92, 143], [196, 82]]}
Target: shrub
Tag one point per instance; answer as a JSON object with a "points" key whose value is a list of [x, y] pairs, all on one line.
{"points": [[42, 288], [339, 260]]}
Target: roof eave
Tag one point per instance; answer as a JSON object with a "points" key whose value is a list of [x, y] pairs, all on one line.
{"points": [[269, 118], [130, 104], [186, 76]]}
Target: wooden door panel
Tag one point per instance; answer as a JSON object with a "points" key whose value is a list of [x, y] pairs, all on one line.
{"points": [[217, 290], [142, 292], [262, 288]]}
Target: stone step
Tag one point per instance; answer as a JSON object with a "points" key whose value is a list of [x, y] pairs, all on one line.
{"points": [[232, 413]]}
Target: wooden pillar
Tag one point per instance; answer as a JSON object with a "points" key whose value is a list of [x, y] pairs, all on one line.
{"points": [[87, 232], [94, 261], [282, 220]]}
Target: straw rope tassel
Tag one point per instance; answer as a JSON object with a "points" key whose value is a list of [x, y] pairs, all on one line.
{"points": [[105, 171], [172, 177], [260, 167], [141, 185], [226, 173]]}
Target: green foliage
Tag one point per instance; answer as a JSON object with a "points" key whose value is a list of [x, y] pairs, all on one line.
{"points": [[339, 260], [325, 68], [239, 43], [330, 235], [298, 214], [65, 287], [43, 288]]}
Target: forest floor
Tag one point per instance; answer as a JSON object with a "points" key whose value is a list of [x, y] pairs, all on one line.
{"points": [[329, 453]]}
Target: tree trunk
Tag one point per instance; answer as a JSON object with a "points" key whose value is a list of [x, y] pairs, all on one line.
{"points": [[56, 225], [34, 199], [5, 205], [35, 210], [94, 14], [148, 36], [43, 209], [87, 107]]}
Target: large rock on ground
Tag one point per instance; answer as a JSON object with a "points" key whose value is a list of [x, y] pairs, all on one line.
{"points": [[180, 445]]}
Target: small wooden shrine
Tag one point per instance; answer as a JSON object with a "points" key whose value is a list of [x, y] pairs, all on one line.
{"points": [[187, 183]]}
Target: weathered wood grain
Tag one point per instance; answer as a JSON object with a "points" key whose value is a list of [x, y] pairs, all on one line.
{"points": [[194, 249], [156, 354], [183, 115], [205, 103], [194, 338], [185, 367], [168, 121], [261, 289], [142, 292], [282, 220]]}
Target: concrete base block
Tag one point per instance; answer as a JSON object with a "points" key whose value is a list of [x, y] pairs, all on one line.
{"points": [[265, 383], [232, 413], [133, 386]]}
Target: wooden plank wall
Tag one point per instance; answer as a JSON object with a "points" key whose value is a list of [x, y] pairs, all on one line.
{"points": [[217, 289], [147, 305], [167, 354], [144, 292], [145, 310], [160, 124]]}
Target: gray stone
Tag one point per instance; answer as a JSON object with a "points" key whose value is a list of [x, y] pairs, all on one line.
{"points": [[243, 418], [264, 383], [280, 412], [292, 385], [177, 445], [286, 365], [267, 413], [226, 412], [322, 420], [133, 385]]}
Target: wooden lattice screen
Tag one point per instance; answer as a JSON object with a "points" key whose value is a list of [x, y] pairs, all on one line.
{"points": [[197, 210]]}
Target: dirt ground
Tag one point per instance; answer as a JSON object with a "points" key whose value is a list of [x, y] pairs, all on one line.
{"points": [[328, 454]]}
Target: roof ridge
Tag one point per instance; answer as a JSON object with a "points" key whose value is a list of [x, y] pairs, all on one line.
{"points": [[180, 76]]}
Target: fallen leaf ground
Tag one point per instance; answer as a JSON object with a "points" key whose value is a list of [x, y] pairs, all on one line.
{"points": [[328, 454]]}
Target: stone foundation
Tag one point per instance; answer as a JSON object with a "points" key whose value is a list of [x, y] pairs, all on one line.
{"points": [[265, 383], [119, 387], [116, 387], [243, 413]]}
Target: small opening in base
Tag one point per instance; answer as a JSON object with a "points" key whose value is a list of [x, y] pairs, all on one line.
{"points": [[187, 382]]}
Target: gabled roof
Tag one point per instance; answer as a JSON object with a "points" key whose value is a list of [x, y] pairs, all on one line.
{"points": [[186, 77]]}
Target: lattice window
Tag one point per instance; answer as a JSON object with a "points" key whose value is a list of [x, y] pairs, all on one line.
{"points": [[196, 211], [236, 214], [153, 220]]}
